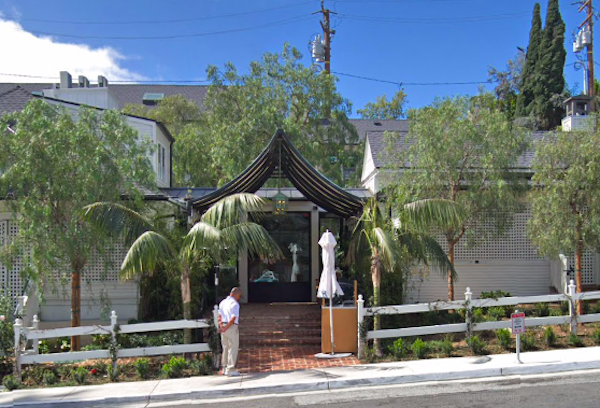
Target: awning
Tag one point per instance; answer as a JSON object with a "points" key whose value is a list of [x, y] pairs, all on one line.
{"points": [[308, 180]]}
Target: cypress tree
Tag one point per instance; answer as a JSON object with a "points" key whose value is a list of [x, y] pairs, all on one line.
{"points": [[526, 95], [549, 78]]}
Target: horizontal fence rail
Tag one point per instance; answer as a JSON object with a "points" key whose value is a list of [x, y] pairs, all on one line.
{"points": [[467, 306], [34, 334]]}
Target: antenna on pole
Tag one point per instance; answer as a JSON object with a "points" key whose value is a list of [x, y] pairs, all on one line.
{"points": [[585, 39]]}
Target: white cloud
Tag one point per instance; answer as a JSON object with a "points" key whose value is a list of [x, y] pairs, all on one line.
{"points": [[26, 54]]}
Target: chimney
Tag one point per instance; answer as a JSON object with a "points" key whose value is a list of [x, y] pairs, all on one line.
{"points": [[65, 80], [83, 82], [102, 81]]}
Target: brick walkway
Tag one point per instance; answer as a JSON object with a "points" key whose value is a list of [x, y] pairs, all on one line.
{"points": [[264, 359]]}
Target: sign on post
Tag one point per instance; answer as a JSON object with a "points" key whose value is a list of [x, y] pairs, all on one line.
{"points": [[518, 323], [518, 328]]}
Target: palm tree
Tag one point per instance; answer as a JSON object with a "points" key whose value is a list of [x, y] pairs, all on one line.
{"points": [[221, 231], [390, 242]]}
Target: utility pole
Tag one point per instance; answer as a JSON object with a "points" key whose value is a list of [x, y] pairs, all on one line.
{"points": [[589, 24], [327, 34]]}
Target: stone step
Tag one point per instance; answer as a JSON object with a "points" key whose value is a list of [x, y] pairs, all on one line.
{"points": [[280, 342]]}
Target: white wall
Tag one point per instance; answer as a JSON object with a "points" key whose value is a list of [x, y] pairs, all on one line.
{"points": [[96, 97]]}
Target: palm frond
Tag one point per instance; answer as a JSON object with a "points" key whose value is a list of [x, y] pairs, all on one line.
{"points": [[116, 219], [252, 237], [426, 249], [233, 209], [428, 213], [202, 236], [387, 248], [147, 252]]}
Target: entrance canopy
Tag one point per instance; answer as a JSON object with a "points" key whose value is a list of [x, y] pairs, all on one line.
{"points": [[308, 180]]}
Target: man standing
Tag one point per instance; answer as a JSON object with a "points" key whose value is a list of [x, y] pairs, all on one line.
{"points": [[229, 313]]}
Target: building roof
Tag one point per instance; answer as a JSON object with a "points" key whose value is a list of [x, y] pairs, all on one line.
{"points": [[282, 157], [14, 99], [382, 156], [127, 93]]}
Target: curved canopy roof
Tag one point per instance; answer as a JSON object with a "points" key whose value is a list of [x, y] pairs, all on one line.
{"points": [[312, 184]]}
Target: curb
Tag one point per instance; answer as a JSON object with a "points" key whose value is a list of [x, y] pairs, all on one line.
{"points": [[319, 385]]}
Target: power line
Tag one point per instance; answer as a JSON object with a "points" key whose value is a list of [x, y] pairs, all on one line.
{"points": [[173, 36], [447, 20], [141, 81], [412, 83], [172, 21]]}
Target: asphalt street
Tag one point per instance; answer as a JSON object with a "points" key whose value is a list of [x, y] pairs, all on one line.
{"points": [[581, 390]]}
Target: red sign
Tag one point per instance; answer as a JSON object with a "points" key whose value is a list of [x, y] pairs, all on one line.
{"points": [[518, 323]]}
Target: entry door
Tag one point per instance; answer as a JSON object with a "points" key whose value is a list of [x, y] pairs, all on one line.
{"points": [[287, 280]]}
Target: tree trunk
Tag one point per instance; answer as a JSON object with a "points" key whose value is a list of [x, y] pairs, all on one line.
{"points": [[578, 254], [186, 296], [376, 278], [451, 245], [76, 267]]}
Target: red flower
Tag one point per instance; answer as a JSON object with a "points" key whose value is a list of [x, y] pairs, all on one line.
{"points": [[94, 371]]}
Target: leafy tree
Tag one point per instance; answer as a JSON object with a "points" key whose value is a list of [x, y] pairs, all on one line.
{"points": [[384, 109], [528, 75], [191, 150], [507, 84], [549, 81], [52, 166], [242, 111], [462, 151], [223, 230], [565, 214], [394, 244]]}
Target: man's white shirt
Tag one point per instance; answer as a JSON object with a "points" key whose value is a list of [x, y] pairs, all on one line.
{"points": [[229, 309]]}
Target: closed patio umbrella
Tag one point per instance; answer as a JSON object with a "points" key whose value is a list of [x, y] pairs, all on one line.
{"points": [[328, 285]]}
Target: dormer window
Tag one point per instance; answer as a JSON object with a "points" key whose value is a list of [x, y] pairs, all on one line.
{"points": [[151, 98]]}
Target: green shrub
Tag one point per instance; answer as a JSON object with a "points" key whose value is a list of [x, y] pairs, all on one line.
{"points": [[44, 347], [174, 368], [35, 373], [504, 338], [64, 344], [542, 309], [142, 367], [575, 340], [476, 345], [420, 348], [398, 348], [101, 367], [113, 372], [549, 336], [369, 355], [596, 336], [564, 306], [11, 382], [447, 345], [64, 371], [494, 294], [555, 312], [585, 305], [496, 313], [201, 367], [50, 378], [528, 341], [478, 315], [79, 375]]}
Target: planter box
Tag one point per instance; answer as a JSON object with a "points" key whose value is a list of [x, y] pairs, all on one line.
{"points": [[345, 330]]}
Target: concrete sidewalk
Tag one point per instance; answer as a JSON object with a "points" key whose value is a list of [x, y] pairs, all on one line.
{"points": [[199, 388]]}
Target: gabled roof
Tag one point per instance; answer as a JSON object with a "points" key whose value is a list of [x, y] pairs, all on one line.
{"points": [[382, 157], [14, 99], [312, 184]]}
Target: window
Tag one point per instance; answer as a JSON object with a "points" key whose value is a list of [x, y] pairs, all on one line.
{"points": [[162, 162]]}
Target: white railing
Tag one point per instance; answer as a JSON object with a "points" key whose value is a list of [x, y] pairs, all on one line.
{"points": [[31, 356], [467, 305]]}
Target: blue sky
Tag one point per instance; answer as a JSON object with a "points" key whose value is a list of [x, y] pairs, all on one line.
{"points": [[397, 40]]}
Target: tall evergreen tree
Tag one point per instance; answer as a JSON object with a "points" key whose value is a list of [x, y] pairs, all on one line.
{"points": [[549, 78], [526, 95]]}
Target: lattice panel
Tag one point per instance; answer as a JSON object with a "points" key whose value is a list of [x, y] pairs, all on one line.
{"points": [[106, 266], [3, 241], [514, 244], [588, 268], [13, 281]]}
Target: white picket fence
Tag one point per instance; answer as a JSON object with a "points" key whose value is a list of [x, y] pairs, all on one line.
{"points": [[31, 356], [468, 304]]}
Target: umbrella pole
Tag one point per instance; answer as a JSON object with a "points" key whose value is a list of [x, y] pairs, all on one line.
{"points": [[331, 323]]}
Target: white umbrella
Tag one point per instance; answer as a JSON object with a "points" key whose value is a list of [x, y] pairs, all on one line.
{"points": [[328, 285]]}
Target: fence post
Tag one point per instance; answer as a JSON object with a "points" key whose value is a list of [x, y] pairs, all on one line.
{"points": [[360, 312], [113, 333], [18, 326], [469, 312], [572, 307], [36, 343]]}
